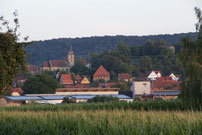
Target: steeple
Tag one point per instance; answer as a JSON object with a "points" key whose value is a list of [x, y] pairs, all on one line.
{"points": [[70, 56]]}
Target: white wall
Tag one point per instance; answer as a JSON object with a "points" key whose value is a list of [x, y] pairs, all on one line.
{"points": [[141, 88]]}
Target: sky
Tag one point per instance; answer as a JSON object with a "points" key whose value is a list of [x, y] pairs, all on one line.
{"points": [[47, 19]]}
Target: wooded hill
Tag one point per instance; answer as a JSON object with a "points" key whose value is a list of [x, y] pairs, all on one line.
{"points": [[41, 51]]}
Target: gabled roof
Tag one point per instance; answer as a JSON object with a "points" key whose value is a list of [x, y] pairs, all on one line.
{"points": [[58, 63], [85, 81], [124, 76], [101, 71], [148, 73], [157, 72], [66, 79]]}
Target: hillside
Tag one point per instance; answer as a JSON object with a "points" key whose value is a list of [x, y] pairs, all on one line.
{"points": [[41, 51]]}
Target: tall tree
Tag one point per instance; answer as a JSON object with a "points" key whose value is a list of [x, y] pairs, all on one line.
{"points": [[191, 58], [12, 54]]}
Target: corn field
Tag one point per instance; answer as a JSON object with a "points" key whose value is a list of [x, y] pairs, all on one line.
{"points": [[101, 122]]}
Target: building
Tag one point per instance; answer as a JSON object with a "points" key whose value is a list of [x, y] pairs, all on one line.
{"points": [[172, 48], [85, 81], [125, 77], [165, 94], [66, 79], [15, 92], [57, 99], [33, 69], [151, 75], [141, 88], [175, 77], [18, 80], [101, 74], [62, 65], [87, 91], [166, 85]]}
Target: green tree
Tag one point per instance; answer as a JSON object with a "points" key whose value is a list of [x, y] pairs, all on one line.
{"points": [[12, 54], [68, 100], [191, 58], [40, 84], [97, 99]]}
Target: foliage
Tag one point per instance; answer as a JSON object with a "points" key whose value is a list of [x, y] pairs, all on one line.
{"points": [[40, 84], [121, 86], [80, 67], [97, 99], [191, 58], [41, 51], [68, 101], [12, 54]]}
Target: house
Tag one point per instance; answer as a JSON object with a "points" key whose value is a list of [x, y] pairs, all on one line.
{"points": [[141, 88], [125, 77], [15, 92], [101, 74], [33, 69], [62, 65], [18, 80], [78, 79], [151, 75], [175, 77], [66, 79], [85, 81]]}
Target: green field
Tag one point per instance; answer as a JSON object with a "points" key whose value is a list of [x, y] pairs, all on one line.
{"points": [[113, 118], [116, 122]]}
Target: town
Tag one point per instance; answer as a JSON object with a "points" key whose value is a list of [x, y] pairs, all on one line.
{"points": [[151, 86]]}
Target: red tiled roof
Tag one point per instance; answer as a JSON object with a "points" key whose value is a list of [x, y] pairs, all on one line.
{"points": [[58, 63], [124, 76], [167, 78], [32, 68], [164, 85], [45, 64], [101, 71], [66, 79]]}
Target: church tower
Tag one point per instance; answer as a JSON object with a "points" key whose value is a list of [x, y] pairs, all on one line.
{"points": [[70, 57]]}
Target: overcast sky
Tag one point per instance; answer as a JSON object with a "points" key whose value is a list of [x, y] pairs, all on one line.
{"points": [[47, 19]]}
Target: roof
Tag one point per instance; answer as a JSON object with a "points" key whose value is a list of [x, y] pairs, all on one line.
{"points": [[86, 89], [164, 85], [148, 73], [66, 79], [166, 93], [45, 64], [56, 97], [167, 78], [101, 71], [58, 63], [18, 90], [157, 72], [124, 76], [32, 68]]}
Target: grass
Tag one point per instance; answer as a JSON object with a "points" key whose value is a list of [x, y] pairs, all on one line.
{"points": [[114, 122]]}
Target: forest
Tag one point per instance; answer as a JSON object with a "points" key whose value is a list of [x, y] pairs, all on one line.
{"points": [[41, 51]]}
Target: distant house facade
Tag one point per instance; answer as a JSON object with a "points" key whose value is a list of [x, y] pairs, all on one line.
{"points": [[101, 74], [15, 92], [85, 81], [62, 65], [125, 77], [141, 88]]}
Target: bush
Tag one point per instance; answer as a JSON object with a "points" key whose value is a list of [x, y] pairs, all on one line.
{"points": [[67, 100], [103, 99]]}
